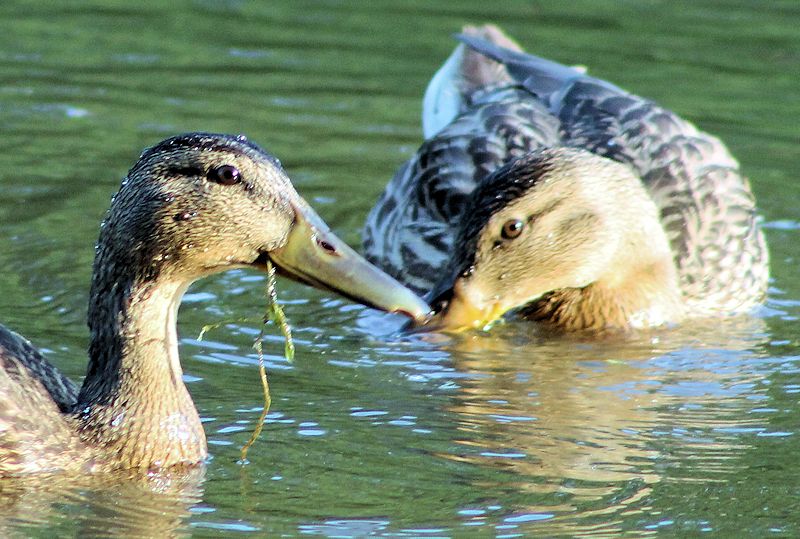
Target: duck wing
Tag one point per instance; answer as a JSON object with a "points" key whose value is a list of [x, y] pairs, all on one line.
{"points": [[23, 363], [410, 231], [34, 431]]}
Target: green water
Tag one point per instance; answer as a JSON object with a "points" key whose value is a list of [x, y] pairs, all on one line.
{"points": [[692, 432]]}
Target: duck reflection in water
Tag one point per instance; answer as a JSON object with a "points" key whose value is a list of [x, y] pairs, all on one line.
{"points": [[115, 504], [578, 423]]}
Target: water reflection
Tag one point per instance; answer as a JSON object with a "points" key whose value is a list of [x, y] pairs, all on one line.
{"points": [[122, 505], [582, 423]]}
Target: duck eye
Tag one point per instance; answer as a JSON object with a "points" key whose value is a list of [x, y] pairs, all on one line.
{"points": [[225, 175], [512, 229]]}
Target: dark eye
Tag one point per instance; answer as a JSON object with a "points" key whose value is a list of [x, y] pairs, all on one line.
{"points": [[225, 175], [512, 229]]}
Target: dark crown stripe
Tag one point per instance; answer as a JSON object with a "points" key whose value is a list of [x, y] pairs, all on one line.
{"points": [[498, 190]]}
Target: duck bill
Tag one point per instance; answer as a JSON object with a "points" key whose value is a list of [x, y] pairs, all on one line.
{"points": [[456, 310], [315, 256]]}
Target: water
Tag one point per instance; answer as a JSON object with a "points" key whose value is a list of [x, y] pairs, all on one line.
{"points": [[684, 432]]}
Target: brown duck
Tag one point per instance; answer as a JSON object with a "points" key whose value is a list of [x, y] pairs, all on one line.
{"points": [[542, 190], [193, 205]]}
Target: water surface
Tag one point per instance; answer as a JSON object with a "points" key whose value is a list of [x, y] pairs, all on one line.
{"points": [[507, 434]]}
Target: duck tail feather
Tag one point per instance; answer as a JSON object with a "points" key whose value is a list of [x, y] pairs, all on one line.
{"points": [[463, 73], [536, 74], [545, 78], [479, 70]]}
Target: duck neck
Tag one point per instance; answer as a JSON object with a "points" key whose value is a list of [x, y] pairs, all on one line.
{"points": [[133, 401]]}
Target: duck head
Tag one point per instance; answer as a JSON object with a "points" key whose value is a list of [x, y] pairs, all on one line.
{"points": [[552, 220], [201, 203]]}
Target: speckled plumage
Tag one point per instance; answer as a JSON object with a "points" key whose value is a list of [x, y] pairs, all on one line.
{"points": [[529, 104], [193, 205]]}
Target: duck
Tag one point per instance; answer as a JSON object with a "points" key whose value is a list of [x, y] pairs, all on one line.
{"points": [[546, 194], [193, 205]]}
